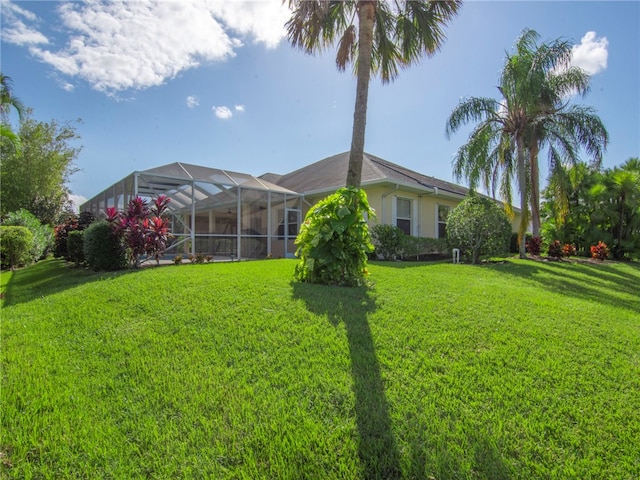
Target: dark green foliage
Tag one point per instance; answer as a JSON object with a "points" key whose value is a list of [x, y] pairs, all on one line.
{"points": [[75, 246], [388, 241], [42, 234], [85, 219], [16, 243], [334, 240], [417, 247], [102, 249], [585, 205], [478, 226], [62, 231]]}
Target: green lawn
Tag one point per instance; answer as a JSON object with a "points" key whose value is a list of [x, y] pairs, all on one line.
{"points": [[516, 370]]}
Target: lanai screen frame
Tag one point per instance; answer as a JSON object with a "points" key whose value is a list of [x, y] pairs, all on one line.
{"points": [[196, 189]]}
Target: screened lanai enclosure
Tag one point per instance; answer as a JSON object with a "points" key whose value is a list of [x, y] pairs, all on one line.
{"points": [[218, 213]]}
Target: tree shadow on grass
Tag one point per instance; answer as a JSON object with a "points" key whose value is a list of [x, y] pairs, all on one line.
{"points": [[377, 449], [581, 280], [48, 277]]}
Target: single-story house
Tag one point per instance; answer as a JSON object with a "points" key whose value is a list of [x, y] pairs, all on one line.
{"points": [[222, 213]]}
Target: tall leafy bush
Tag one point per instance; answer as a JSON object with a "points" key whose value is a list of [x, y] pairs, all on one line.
{"points": [[334, 240], [16, 243], [42, 234], [75, 246], [478, 226], [103, 249]]}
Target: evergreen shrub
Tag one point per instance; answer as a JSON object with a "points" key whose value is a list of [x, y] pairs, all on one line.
{"points": [[16, 244], [102, 248]]}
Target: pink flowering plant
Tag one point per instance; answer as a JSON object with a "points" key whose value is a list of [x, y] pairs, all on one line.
{"points": [[144, 230]]}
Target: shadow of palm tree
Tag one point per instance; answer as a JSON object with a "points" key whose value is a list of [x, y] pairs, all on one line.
{"points": [[580, 280], [377, 447]]}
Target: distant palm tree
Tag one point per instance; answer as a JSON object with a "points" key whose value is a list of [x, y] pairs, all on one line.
{"points": [[7, 102], [563, 128], [377, 36], [535, 84]]}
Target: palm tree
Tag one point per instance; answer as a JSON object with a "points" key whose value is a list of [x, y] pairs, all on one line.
{"points": [[488, 155], [563, 128], [377, 36], [7, 102], [535, 83]]}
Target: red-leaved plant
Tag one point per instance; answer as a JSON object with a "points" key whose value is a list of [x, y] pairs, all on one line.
{"points": [[600, 251], [143, 230], [533, 245], [555, 249], [569, 250]]}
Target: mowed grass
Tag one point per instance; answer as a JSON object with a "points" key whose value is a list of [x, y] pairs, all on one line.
{"points": [[515, 370]]}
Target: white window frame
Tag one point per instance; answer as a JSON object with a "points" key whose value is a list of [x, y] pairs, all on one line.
{"points": [[411, 218], [438, 222]]}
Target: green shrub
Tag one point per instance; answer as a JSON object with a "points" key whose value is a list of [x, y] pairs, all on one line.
{"points": [[102, 249], [478, 226], [75, 246], [334, 241], [16, 244], [415, 247], [388, 241], [42, 234]]}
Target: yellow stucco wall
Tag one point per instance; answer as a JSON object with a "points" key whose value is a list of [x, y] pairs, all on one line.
{"points": [[424, 208]]}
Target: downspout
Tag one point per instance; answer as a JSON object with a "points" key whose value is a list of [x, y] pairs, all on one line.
{"points": [[269, 231], [239, 222], [420, 197], [385, 195], [193, 219]]}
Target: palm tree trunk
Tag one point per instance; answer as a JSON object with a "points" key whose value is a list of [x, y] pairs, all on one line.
{"points": [[535, 189], [366, 14], [522, 184]]}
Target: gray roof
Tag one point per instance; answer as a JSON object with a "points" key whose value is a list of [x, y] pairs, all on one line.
{"points": [[331, 173]]}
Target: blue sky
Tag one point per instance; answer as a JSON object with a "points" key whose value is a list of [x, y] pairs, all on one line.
{"points": [[216, 83]]}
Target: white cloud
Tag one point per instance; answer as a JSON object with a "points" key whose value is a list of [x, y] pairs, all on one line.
{"points": [[591, 55], [222, 112], [67, 86], [239, 108], [263, 20], [192, 101], [76, 201], [14, 30], [138, 44]]}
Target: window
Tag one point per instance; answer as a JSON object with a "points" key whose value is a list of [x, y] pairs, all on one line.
{"points": [[403, 214], [443, 213]]}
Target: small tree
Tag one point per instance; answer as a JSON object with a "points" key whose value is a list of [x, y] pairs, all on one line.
{"points": [[478, 226], [334, 240]]}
